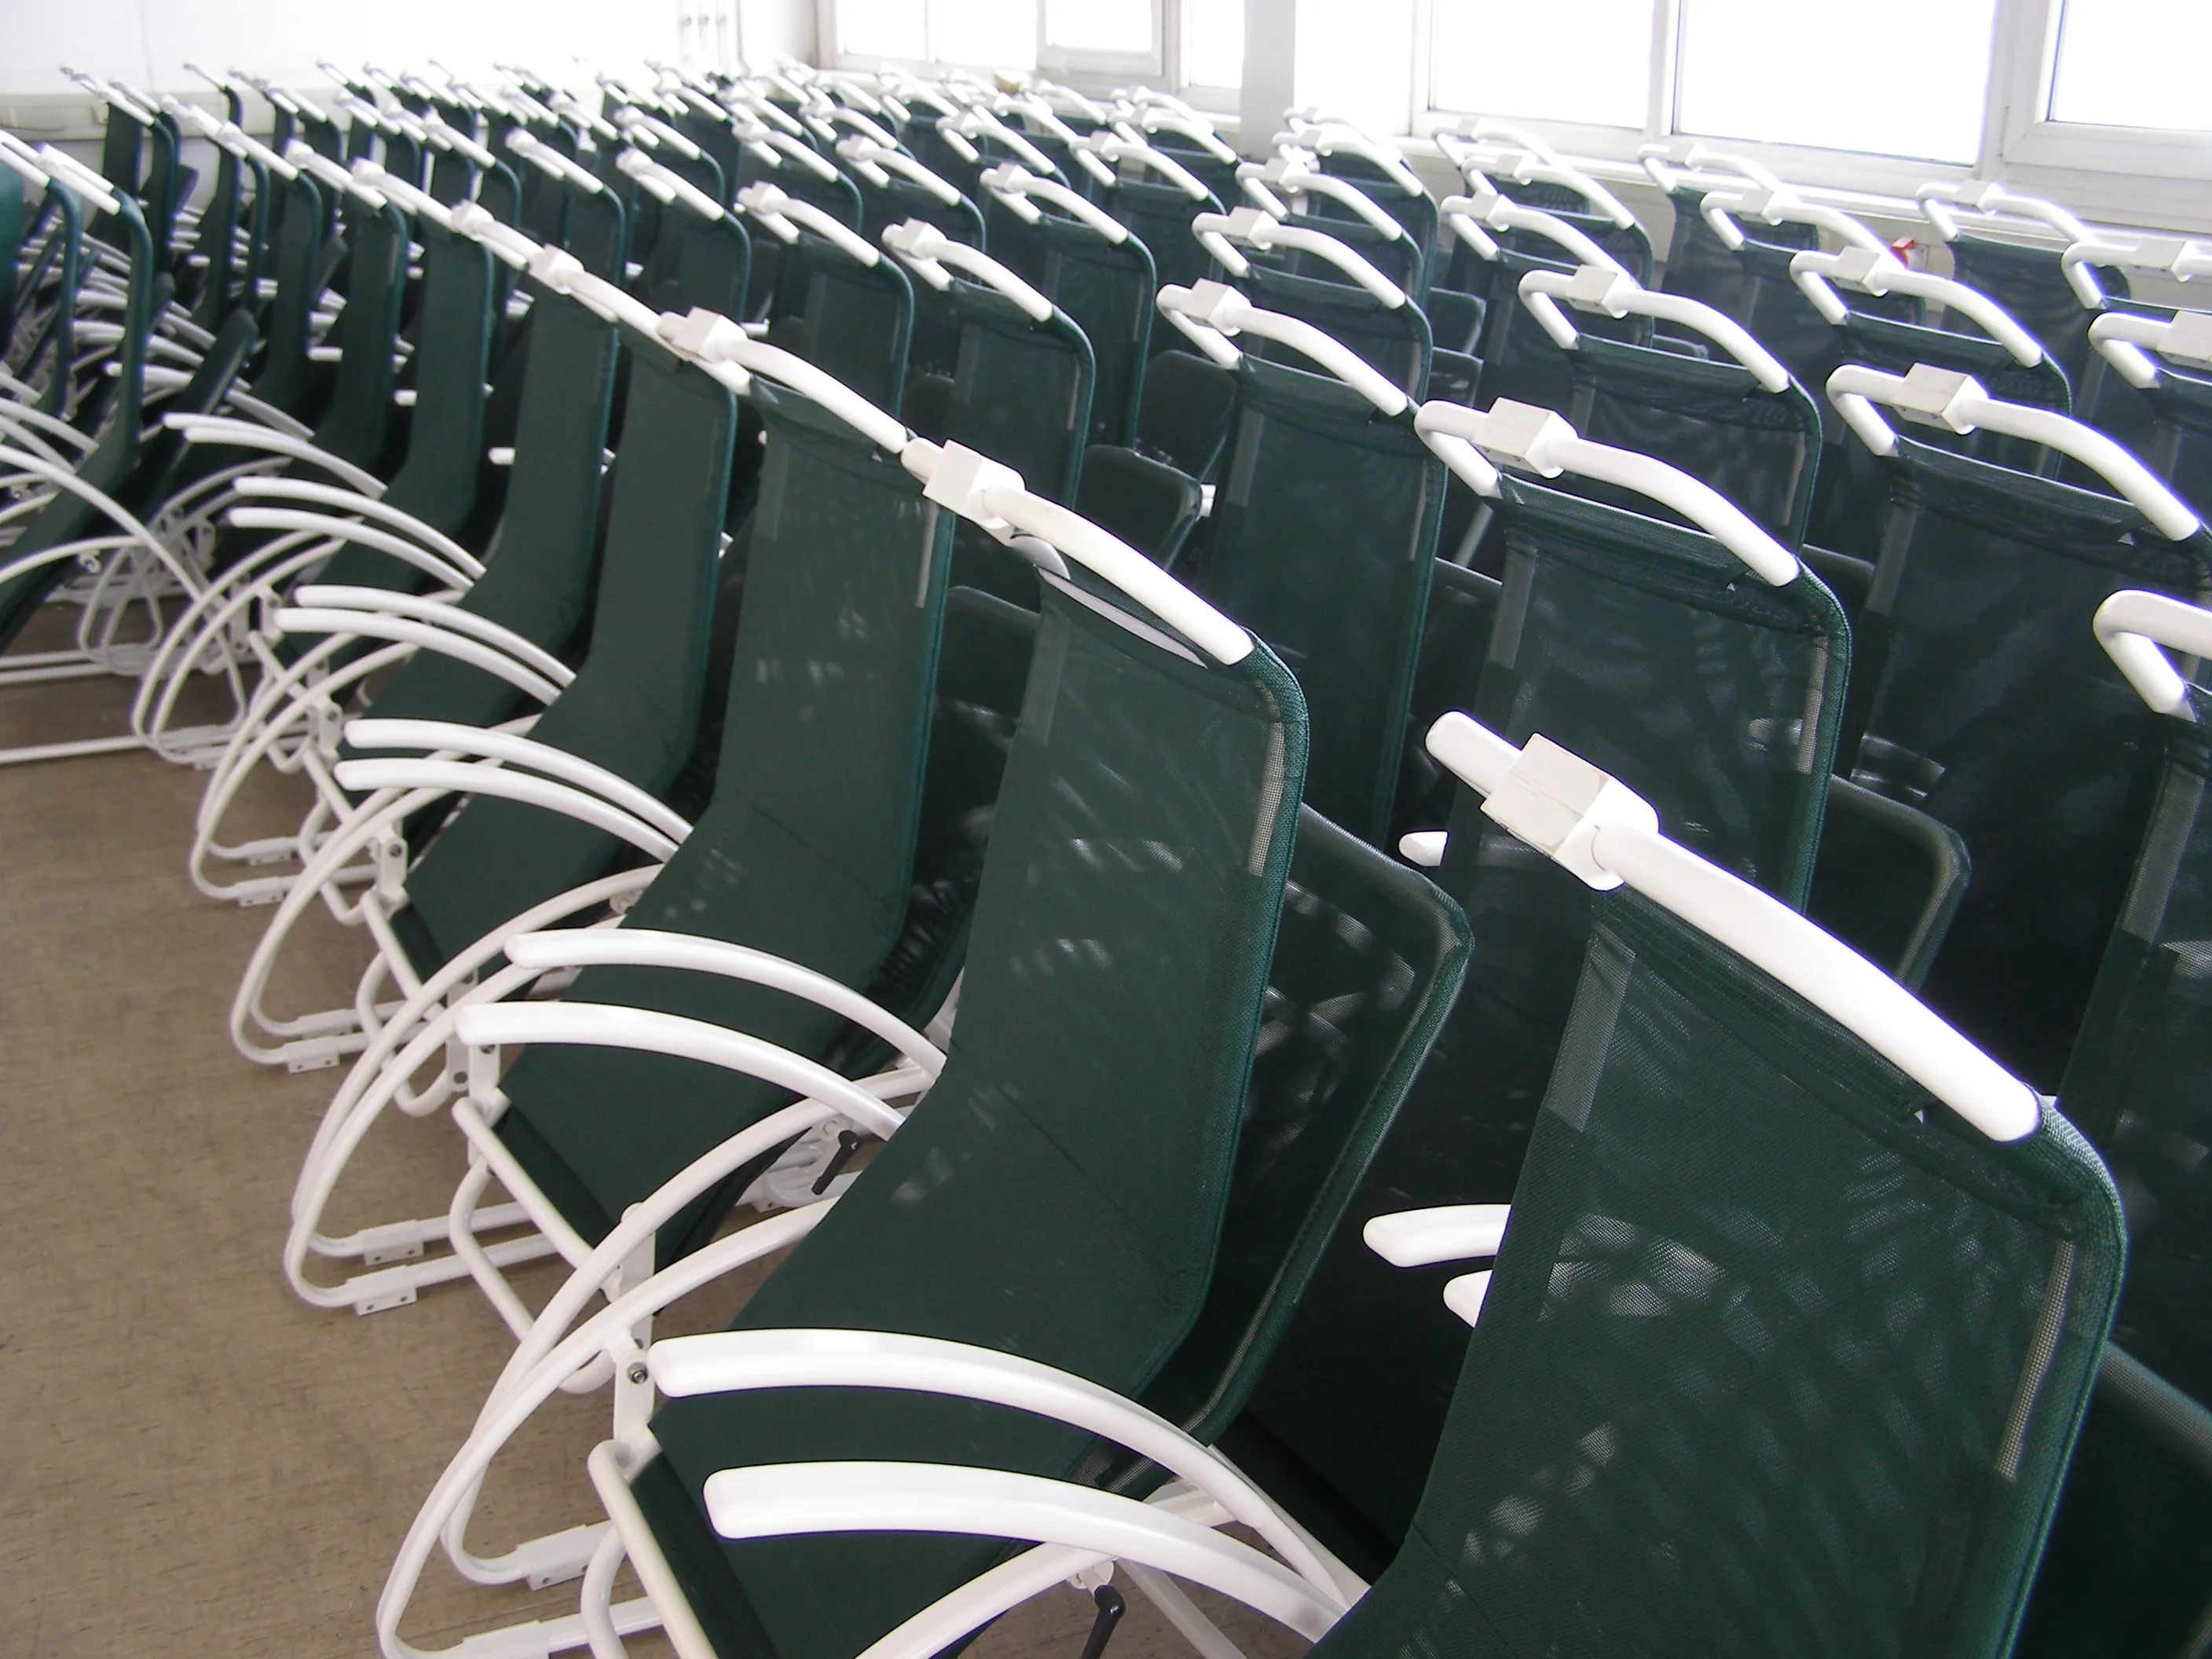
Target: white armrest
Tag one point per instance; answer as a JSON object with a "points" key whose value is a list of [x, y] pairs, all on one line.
{"points": [[424, 633], [1220, 309], [1013, 185], [352, 530], [926, 251], [2120, 336], [1606, 835], [2131, 625], [352, 502], [447, 736], [244, 434], [1472, 217], [453, 777], [1421, 1239], [1616, 293], [785, 215], [1250, 226], [1424, 847], [1524, 436], [440, 614], [1884, 273], [713, 338], [643, 947]]}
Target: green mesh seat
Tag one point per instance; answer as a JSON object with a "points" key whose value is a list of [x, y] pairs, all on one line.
{"points": [[2130, 1566], [633, 705], [1648, 649], [537, 584], [1055, 1196], [806, 851], [1778, 1355], [1980, 696], [1325, 529]]}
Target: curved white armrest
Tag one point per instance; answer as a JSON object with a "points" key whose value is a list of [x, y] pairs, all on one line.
{"points": [[2167, 255], [990, 495], [643, 947], [666, 186], [245, 434], [325, 170], [226, 136], [1541, 442], [1103, 151], [332, 528], [455, 778], [878, 160], [1219, 309], [437, 736], [600, 296], [606, 1025], [1014, 185], [74, 177], [346, 501], [2131, 625], [1946, 397], [473, 220], [1606, 835], [1220, 232], [423, 632], [1153, 116], [1474, 216], [442, 614], [1885, 273], [419, 203], [2120, 336], [1293, 174], [926, 251], [1454, 1232], [785, 216], [550, 161], [1988, 197], [1779, 205], [712, 337], [448, 138], [1616, 293], [1336, 137], [1525, 165], [976, 122]]}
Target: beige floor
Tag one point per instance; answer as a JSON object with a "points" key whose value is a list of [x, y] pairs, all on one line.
{"points": [[191, 1461]]}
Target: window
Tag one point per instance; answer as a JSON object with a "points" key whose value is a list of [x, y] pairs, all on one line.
{"points": [[987, 34], [1893, 77], [1213, 43], [1105, 37], [1588, 62], [2133, 63]]}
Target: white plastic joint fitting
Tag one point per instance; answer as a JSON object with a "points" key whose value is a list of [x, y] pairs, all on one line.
{"points": [[1594, 287], [700, 333], [1557, 802], [1217, 305], [1862, 267], [1250, 224], [1938, 396], [958, 481], [556, 268], [1519, 435], [2188, 337]]}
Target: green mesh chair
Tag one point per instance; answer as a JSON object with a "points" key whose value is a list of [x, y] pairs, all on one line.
{"points": [[2129, 1566], [792, 171], [1324, 530], [701, 256], [1156, 196], [1291, 187], [1980, 697], [43, 273], [893, 188], [1800, 1368], [594, 226], [1707, 667], [2162, 362], [835, 299], [629, 715]]}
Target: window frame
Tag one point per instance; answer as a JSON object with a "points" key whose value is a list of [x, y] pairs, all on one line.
{"points": [[1085, 70]]}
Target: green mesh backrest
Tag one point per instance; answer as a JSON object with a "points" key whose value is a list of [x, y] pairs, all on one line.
{"points": [[1059, 1193], [357, 422], [1984, 699], [1325, 526], [1021, 389], [633, 705], [1416, 214], [1468, 272], [1107, 291], [2179, 449], [1159, 215], [1767, 1363], [698, 264], [538, 581], [2030, 283], [1762, 450], [807, 849], [596, 231], [15, 220], [902, 199], [1703, 267], [1396, 342], [855, 322], [1519, 360], [1455, 638], [1896, 346], [216, 242], [40, 343], [1650, 650], [1398, 258], [1217, 175]]}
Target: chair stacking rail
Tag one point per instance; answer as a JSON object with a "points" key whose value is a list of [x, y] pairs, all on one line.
{"points": [[1980, 696], [1707, 667], [2130, 1566], [1324, 530]]}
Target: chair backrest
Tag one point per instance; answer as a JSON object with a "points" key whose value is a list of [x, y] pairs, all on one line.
{"points": [[2030, 281], [633, 705], [1059, 1194], [596, 229], [1519, 360], [1158, 214], [1649, 650], [697, 263], [1395, 339], [1701, 266], [1022, 388], [854, 321], [1778, 1354], [1980, 696], [1106, 289], [2179, 449], [437, 481], [356, 423], [44, 277], [1325, 525], [807, 850]]}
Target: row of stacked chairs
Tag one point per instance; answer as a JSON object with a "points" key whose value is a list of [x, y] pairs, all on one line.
{"points": [[1152, 755]]}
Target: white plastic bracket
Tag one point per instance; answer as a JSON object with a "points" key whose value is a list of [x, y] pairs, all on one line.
{"points": [[1938, 396], [1518, 434], [1557, 802], [960, 478]]}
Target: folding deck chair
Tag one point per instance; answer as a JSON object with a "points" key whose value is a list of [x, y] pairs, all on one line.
{"points": [[835, 298], [1980, 697], [2130, 1564], [1867, 1215], [1156, 196]]}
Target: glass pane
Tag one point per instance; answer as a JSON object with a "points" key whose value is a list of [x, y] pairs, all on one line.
{"points": [[1578, 60], [2134, 63], [1213, 43], [1122, 26], [1897, 78], [881, 28], [990, 34]]}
